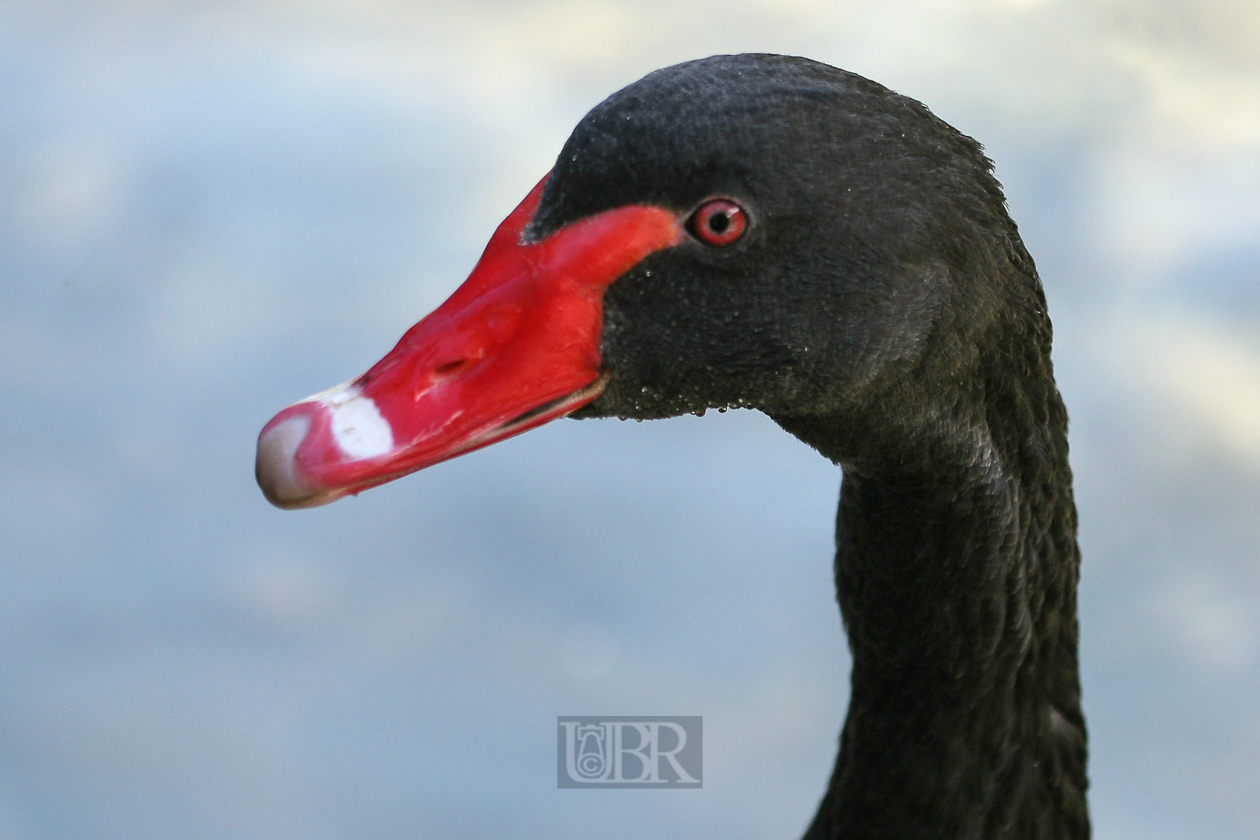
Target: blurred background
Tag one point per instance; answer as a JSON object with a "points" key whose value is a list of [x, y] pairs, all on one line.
{"points": [[209, 210]]}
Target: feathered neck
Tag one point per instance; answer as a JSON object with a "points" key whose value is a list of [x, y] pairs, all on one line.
{"points": [[956, 572]]}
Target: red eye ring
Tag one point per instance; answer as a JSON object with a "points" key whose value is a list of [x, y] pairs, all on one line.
{"points": [[718, 223]]}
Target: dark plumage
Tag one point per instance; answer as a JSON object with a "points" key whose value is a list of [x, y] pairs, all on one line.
{"points": [[883, 309], [863, 286]]}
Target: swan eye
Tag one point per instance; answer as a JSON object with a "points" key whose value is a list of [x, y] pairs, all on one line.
{"points": [[718, 223]]}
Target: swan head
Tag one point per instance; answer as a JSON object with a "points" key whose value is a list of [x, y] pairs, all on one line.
{"points": [[752, 231]]}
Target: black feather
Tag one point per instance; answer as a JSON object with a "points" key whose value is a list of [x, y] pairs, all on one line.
{"points": [[882, 308]]}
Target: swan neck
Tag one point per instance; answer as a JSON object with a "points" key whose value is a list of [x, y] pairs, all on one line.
{"points": [[956, 573]]}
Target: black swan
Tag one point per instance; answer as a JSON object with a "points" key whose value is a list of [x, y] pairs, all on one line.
{"points": [[770, 232]]}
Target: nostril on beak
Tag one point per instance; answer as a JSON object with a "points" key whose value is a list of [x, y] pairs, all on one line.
{"points": [[449, 367]]}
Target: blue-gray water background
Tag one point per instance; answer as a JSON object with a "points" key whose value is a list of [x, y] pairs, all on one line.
{"points": [[208, 210]]}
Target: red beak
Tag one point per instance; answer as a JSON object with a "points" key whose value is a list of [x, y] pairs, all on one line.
{"points": [[516, 346]]}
